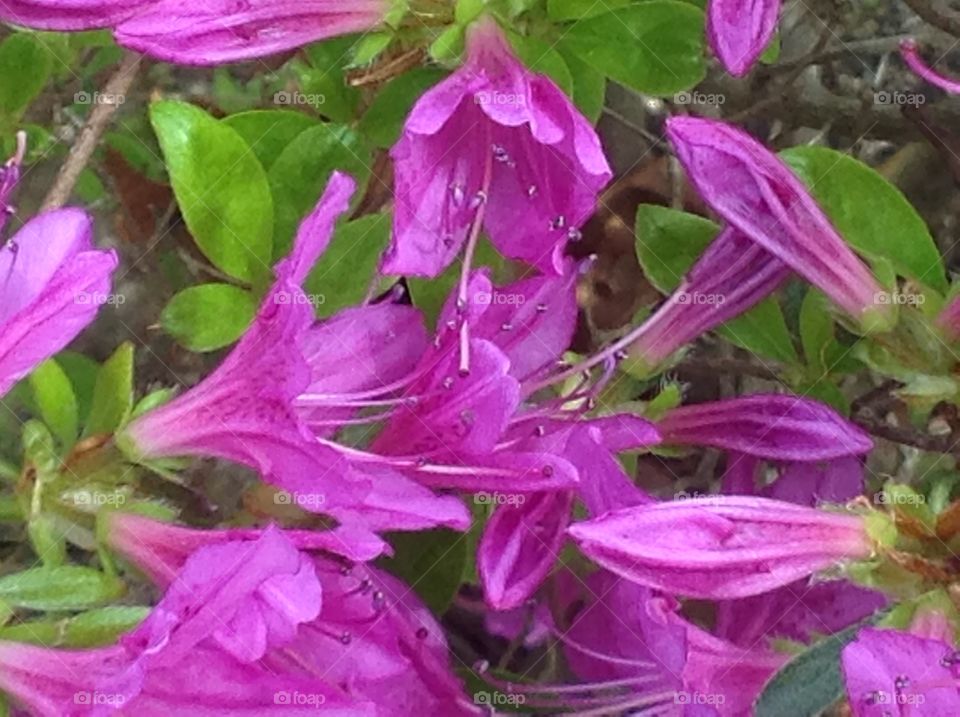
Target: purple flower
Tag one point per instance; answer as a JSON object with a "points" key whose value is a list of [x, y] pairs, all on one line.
{"points": [[733, 275], [888, 672], [251, 410], [369, 637], [757, 193], [910, 53], [208, 32], [740, 30], [202, 649], [721, 547], [783, 428], [498, 147], [52, 284]]}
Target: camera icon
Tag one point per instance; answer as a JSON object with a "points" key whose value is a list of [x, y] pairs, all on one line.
{"points": [[82, 698], [83, 98], [882, 98], [283, 98], [281, 698], [281, 497], [683, 98]]}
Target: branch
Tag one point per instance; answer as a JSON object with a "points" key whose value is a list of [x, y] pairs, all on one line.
{"points": [[93, 129], [932, 12]]}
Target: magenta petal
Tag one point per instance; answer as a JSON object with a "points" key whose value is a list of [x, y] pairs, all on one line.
{"points": [[740, 30], [69, 14], [55, 282], [777, 427], [604, 486], [497, 143], [911, 56], [519, 547], [888, 670], [754, 191], [721, 547], [211, 32]]}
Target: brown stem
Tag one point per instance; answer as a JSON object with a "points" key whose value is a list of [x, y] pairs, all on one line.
{"points": [[93, 129], [935, 14]]}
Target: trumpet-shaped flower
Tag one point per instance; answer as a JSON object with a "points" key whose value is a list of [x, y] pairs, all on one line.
{"points": [[203, 33], [52, 284], [721, 547], [493, 146], [756, 192]]}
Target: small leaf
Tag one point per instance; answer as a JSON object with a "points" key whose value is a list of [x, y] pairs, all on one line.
{"points": [[113, 393], [432, 562], [209, 316], [763, 331], [655, 47], [56, 402], [68, 587], [268, 132], [102, 626], [344, 271], [589, 86], [669, 242], [870, 213], [221, 188], [448, 45]]}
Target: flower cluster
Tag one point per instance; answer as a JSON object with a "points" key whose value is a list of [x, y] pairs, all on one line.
{"points": [[268, 620]]}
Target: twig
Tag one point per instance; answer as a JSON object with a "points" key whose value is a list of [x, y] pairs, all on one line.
{"points": [[933, 13], [96, 124]]}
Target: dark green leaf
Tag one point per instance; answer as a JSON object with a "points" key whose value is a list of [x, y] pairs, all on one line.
{"points": [[324, 86], [209, 316], [816, 329], [589, 86], [431, 562], [656, 47], [382, 122], [300, 174], [220, 186], [543, 59], [871, 214], [763, 331], [268, 132]]}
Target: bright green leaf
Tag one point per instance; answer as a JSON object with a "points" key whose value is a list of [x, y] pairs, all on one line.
{"points": [[209, 316], [220, 186], [563, 10], [56, 402], [24, 68], [655, 47], [112, 394], [68, 587], [669, 242]]}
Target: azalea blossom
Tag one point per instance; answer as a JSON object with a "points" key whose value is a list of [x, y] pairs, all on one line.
{"points": [[754, 191], [493, 147], [206, 33], [740, 30], [52, 282]]}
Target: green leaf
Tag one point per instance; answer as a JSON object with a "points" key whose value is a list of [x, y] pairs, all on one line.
{"points": [[448, 45], [24, 68], [324, 84], [810, 682], [762, 331], [431, 562], [542, 58], [466, 11], [102, 626], [82, 372], [816, 329], [563, 10], [369, 47], [56, 402], [655, 47], [221, 188], [669, 242], [300, 174], [113, 393], [47, 540], [382, 123], [343, 273], [68, 587], [589, 86], [268, 132], [209, 316], [870, 213]]}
